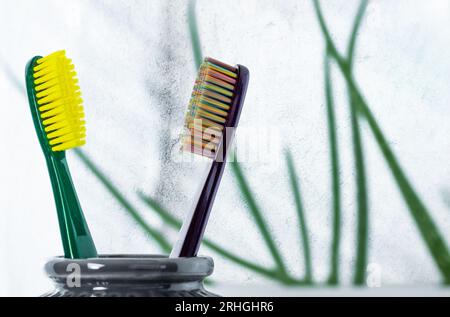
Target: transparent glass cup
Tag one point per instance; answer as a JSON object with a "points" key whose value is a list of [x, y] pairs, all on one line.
{"points": [[129, 276]]}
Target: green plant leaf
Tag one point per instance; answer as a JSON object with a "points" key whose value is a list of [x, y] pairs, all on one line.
{"points": [[162, 212], [257, 215], [362, 198], [361, 183], [153, 233], [303, 227], [333, 278], [193, 29], [425, 223], [427, 228], [330, 47], [176, 224], [355, 30]]}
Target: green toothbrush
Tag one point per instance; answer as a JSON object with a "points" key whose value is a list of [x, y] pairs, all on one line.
{"points": [[56, 107]]}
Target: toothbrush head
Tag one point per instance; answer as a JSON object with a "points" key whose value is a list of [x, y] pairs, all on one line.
{"points": [[214, 108], [55, 101]]}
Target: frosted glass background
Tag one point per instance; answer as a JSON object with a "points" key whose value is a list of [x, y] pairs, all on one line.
{"points": [[136, 70]]}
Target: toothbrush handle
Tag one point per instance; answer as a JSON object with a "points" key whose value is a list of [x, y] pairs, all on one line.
{"points": [[81, 244], [65, 230], [192, 232]]}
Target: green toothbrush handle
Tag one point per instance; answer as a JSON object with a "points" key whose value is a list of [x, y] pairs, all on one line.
{"points": [[60, 206], [75, 235], [81, 245]]}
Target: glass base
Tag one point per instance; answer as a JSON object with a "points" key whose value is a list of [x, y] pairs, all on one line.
{"points": [[129, 276]]}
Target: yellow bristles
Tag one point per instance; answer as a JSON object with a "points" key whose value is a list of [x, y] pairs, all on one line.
{"points": [[59, 98], [208, 108]]}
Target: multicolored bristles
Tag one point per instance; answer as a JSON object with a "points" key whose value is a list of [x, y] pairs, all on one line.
{"points": [[209, 107], [59, 99], [211, 121]]}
